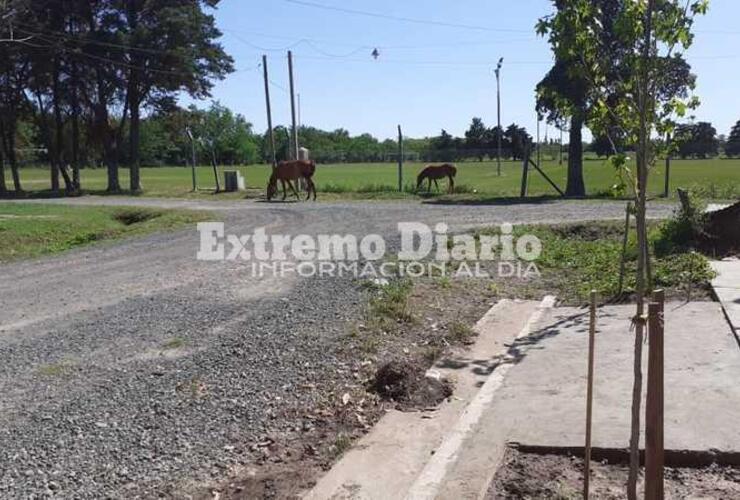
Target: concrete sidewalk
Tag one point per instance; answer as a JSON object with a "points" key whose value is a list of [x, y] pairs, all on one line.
{"points": [[542, 402], [727, 288]]}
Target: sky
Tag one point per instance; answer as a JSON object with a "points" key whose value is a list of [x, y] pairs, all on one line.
{"points": [[430, 75]]}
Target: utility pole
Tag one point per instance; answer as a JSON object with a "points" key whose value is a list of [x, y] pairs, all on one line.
{"points": [[499, 132], [269, 111], [192, 152], [400, 160], [299, 110], [292, 106]]}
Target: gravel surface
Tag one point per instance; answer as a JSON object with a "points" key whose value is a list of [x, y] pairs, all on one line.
{"points": [[132, 369]]}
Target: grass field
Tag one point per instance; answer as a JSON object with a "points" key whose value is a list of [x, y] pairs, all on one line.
{"points": [[30, 230], [711, 179]]}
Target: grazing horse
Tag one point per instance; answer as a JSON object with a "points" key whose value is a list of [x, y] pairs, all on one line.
{"points": [[435, 172], [289, 171]]}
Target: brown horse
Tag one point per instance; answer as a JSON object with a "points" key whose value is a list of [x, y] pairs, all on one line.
{"points": [[435, 172], [289, 171]]}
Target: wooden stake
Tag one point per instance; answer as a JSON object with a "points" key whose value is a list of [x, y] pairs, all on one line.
{"points": [[294, 139], [623, 263], [654, 404], [589, 396]]}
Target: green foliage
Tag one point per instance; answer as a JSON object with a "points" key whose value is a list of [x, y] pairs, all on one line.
{"points": [[732, 148], [680, 233], [696, 140], [31, 230], [587, 256], [391, 301]]}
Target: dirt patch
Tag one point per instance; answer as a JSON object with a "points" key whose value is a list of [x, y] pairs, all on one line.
{"points": [[526, 475], [406, 384]]}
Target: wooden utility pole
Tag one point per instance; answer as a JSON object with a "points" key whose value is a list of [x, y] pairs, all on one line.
{"points": [[193, 158], [292, 106], [400, 160], [654, 454], [269, 111], [500, 132], [589, 396]]}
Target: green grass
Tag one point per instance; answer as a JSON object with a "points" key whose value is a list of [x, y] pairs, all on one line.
{"points": [[577, 258], [31, 230], [711, 179]]}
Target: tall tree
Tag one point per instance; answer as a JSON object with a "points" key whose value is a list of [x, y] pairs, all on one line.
{"points": [[698, 140], [629, 90], [732, 147], [171, 47], [475, 139], [561, 96]]}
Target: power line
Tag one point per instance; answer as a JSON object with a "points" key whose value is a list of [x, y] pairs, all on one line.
{"points": [[402, 18]]}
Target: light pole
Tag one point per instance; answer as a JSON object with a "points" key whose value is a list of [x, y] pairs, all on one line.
{"points": [[498, 112]]}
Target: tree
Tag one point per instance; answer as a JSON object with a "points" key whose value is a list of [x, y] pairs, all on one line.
{"points": [[698, 140], [444, 147], [475, 138], [732, 148], [630, 90], [186, 58], [518, 139], [562, 95]]}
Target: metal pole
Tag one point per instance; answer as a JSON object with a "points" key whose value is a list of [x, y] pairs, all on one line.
{"points": [[400, 160], [499, 132], [292, 106], [269, 111]]}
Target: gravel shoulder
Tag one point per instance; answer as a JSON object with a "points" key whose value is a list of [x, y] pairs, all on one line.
{"points": [[133, 369]]}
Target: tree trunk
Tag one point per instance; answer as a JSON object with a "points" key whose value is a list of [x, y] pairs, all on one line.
{"points": [[643, 157], [134, 99], [9, 144], [576, 186], [3, 187], [134, 135], [102, 123], [59, 139]]}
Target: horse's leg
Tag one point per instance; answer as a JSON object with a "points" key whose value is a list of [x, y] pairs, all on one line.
{"points": [[310, 187], [436, 185], [285, 193], [452, 184], [297, 196], [429, 185]]}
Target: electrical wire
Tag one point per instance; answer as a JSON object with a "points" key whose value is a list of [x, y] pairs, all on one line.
{"points": [[401, 18]]}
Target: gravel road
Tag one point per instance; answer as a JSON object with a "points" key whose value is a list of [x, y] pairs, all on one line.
{"points": [[132, 369]]}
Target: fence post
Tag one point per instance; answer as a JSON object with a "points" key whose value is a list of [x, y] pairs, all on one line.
{"points": [[525, 173], [654, 402]]}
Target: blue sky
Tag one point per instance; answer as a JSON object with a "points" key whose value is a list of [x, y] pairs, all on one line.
{"points": [[428, 77]]}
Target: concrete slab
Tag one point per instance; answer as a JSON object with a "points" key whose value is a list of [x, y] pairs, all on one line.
{"points": [[386, 462], [542, 402], [727, 288]]}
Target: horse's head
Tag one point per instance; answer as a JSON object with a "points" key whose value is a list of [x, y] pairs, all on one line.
{"points": [[271, 188]]}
